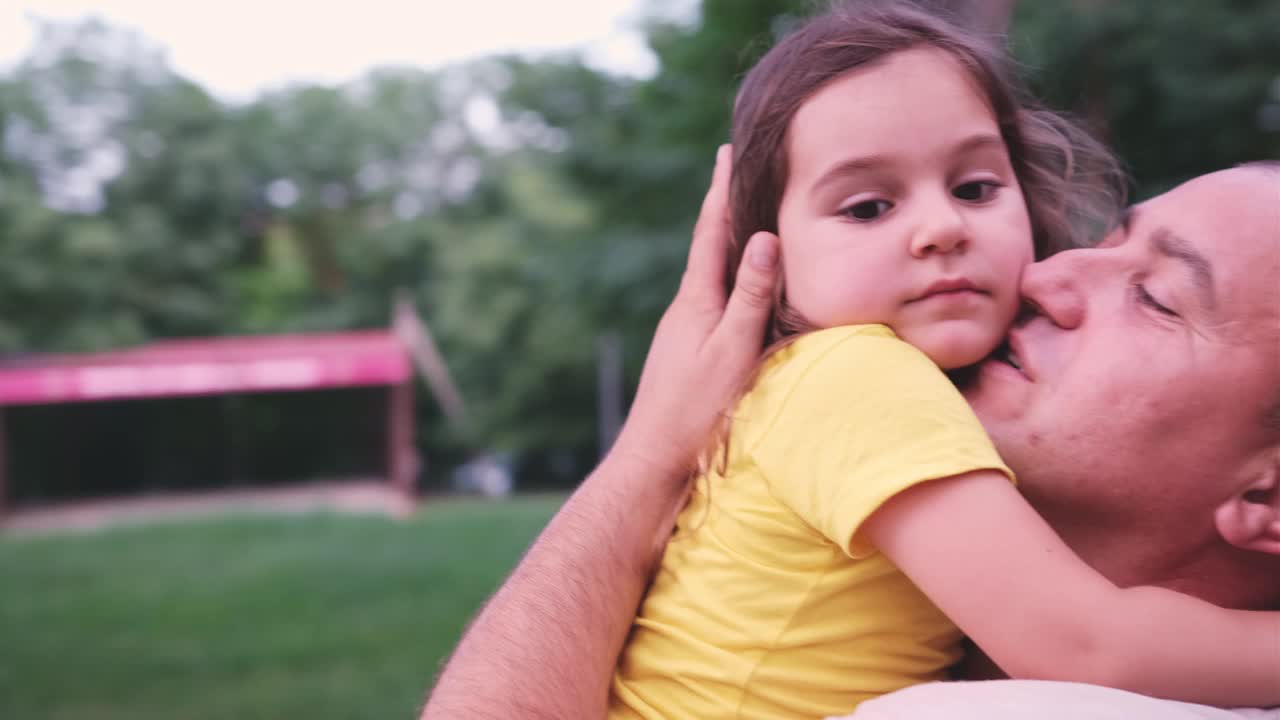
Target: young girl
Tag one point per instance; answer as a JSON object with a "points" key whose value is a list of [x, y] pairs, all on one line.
{"points": [[856, 509]]}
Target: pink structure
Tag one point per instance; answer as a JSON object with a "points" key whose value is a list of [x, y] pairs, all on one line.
{"points": [[212, 366]]}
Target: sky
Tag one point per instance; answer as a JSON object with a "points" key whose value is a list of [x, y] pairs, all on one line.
{"points": [[236, 48]]}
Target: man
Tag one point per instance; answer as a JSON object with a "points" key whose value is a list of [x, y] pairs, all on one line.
{"points": [[1139, 405]]}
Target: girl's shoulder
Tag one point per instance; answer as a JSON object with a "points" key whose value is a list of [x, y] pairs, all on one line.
{"points": [[838, 367], [846, 348]]}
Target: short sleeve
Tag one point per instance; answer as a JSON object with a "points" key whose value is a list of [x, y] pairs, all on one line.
{"points": [[861, 416]]}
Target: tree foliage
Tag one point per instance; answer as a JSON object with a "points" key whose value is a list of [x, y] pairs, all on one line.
{"points": [[527, 205], [1179, 88]]}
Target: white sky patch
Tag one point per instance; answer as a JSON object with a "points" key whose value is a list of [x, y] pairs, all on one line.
{"points": [[236, 48]]}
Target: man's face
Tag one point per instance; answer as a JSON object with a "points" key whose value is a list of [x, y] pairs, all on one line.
{"points": [[1146, 373]]}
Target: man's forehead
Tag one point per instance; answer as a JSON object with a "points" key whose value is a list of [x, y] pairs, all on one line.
{"points": [[1232, 217], [1228, 213]]}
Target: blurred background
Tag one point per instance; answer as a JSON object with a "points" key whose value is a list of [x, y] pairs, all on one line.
{"points": [[524, 176]]}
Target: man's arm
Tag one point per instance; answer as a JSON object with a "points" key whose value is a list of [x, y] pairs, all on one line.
{"points": [[546, 643]]}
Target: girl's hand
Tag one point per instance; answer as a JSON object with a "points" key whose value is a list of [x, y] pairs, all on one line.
{"points": [[705, 346]]}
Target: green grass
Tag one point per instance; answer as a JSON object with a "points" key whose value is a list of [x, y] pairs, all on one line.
{"points": [[316, 616]]}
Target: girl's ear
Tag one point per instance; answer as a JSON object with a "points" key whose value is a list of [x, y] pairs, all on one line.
{"points": [[1250, 519]]}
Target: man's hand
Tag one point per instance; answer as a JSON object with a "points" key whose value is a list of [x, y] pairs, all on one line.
{"points": [[546, 643], [705, 348]]}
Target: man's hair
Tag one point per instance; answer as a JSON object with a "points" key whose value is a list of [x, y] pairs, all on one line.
{"points": [[1074, 187]]}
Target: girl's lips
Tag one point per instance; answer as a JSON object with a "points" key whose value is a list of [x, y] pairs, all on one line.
{"points": [[950, 287]]}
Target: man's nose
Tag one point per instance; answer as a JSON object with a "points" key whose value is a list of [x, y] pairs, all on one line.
{"points": [[1053, 287], [942, 231]]}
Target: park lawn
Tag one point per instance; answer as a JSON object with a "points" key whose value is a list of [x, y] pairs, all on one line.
{"points": [[249, 616]]}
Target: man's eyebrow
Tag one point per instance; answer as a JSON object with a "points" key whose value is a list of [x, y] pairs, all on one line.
{"points": [[1174, 246]]}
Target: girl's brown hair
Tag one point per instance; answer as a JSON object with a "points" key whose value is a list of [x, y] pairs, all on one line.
{"points": [[1074, 187]]}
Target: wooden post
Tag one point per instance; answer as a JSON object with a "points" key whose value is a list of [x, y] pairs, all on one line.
{"points": [[4, 466], [413, 332], [402, 456]]}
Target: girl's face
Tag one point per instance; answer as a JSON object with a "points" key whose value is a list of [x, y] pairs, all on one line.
{"points": [[901, 208]]}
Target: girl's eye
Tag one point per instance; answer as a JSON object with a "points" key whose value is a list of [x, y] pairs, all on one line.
{"points": [[1146, 298], [977, 191], [867, 209]]}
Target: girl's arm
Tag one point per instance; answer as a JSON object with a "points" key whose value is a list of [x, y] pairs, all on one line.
{"points": [[975, 546]]}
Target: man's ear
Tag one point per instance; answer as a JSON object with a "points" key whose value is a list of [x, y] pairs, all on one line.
{"points": [[1250, 519]]}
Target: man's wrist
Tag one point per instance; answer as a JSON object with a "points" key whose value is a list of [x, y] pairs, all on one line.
{"points": [[648, 457], [645, 487]]}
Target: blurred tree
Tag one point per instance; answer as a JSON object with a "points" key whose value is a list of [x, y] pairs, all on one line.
{"points": [[336, 175], [639, 153], [528, 205], [1179, 87], [87, 270], [634, 157]]}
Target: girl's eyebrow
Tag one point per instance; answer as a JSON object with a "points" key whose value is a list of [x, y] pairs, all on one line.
{"points": [[981, 141], [849, 167], [855, 165]]}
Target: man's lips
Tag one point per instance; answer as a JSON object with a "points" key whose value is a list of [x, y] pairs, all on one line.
{"points": [[1011, 353]]}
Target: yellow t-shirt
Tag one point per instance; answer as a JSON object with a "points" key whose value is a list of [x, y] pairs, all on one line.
{"points": [[768, 602]]}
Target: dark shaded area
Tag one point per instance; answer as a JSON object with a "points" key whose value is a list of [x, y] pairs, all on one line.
{"points": [[126, 448]]}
